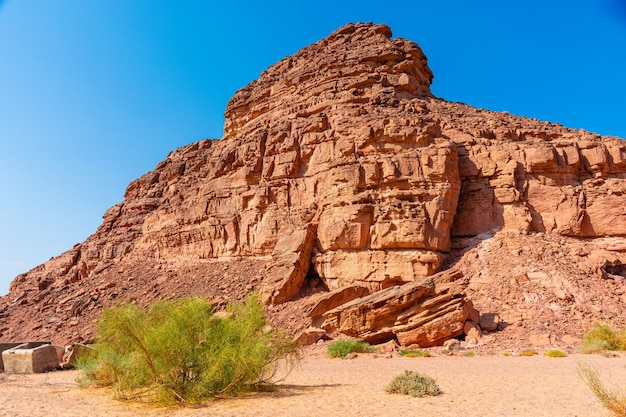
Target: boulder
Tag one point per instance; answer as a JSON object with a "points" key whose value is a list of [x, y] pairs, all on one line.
{"points": [[11, 345], [72, 353], [425, 312], [325, 301], [489, 321], [471, 330], [310, 335], [27, 359], [388, 347], [452, 345], [287, 271]]}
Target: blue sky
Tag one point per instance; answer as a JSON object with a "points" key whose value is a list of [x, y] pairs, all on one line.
{"points": [[95, 93]]}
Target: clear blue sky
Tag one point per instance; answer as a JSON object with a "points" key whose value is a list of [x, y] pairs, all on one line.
{"points": [[95, 93]]}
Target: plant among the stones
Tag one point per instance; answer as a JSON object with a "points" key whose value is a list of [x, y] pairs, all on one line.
{"points": [[528, 352], [602, 337], [178, 351], [413, 383], [613, 399], [554, 353], [342, 348], [415, 353]]}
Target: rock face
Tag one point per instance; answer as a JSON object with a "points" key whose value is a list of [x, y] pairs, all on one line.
{"points": [[336, 165]]}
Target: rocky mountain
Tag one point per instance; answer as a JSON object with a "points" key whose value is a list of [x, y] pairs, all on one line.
{"points": [[340, 175]]}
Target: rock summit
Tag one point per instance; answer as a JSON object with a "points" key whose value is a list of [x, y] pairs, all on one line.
{"points": [[340, 185]]}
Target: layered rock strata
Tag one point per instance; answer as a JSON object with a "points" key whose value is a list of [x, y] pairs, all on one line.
{"points": [[336, 163], [425, 312]]}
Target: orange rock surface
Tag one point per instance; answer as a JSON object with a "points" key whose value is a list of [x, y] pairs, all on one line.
{"points": [[338, 168]]}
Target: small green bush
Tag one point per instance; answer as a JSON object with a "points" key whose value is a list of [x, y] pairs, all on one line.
{"points": [[178, 351], [528, 352], [415, 353], [613, 399], [342, 348], [554, 353], [414, 384], [602, 337]]}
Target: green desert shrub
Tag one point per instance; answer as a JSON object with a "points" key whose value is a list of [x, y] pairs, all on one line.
{"points": [[602, 337], [342, 348], [414, 384], [178, 351], [528, 352], [613, 399], [415, 353], [554, 353]]}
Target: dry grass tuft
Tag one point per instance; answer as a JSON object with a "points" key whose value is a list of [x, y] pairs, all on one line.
{"points": [[414, 384], [613, 399], [555, 353], [415, 353]]}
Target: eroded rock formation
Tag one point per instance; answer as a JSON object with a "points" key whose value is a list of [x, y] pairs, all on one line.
{"points": [[425, 312], [339, 164]]}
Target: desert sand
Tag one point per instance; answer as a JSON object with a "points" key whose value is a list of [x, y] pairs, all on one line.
{"points": [[485, 385]]}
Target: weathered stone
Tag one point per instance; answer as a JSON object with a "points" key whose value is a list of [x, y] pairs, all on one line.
{"points": [[286, 273], [323, 302], [375, 269], [471, 329], [24, 359], [436, 330], [471, 342], [72, 353], [471, 312], [388, 347], [310, 335], [11, 345], [452, 345], [489, 321], [424, 312]]}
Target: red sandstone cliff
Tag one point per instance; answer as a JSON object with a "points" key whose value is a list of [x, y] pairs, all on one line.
{"points": [[339, 169]]}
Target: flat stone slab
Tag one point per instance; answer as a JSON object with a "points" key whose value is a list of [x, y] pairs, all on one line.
{"points": [[29, 359], [10, 345]]}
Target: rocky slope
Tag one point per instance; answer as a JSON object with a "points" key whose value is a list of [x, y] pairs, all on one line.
{"points": [[340, 173]]}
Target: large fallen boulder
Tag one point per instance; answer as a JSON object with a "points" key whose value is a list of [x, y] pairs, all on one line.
{"points": [[425, 312], [30, 358], [321, 303], [12, 345], [291, 259]]}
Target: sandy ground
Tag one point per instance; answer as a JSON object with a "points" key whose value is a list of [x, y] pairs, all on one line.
{"points": [[472, 386]]}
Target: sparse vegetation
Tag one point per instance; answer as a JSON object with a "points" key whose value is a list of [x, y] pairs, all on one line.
{"points": [[469, 353], [528, 352], [342, 348], [414, 353], [613, 399], [414, 384], [602, 337], [554, 353], [178, 351]]}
